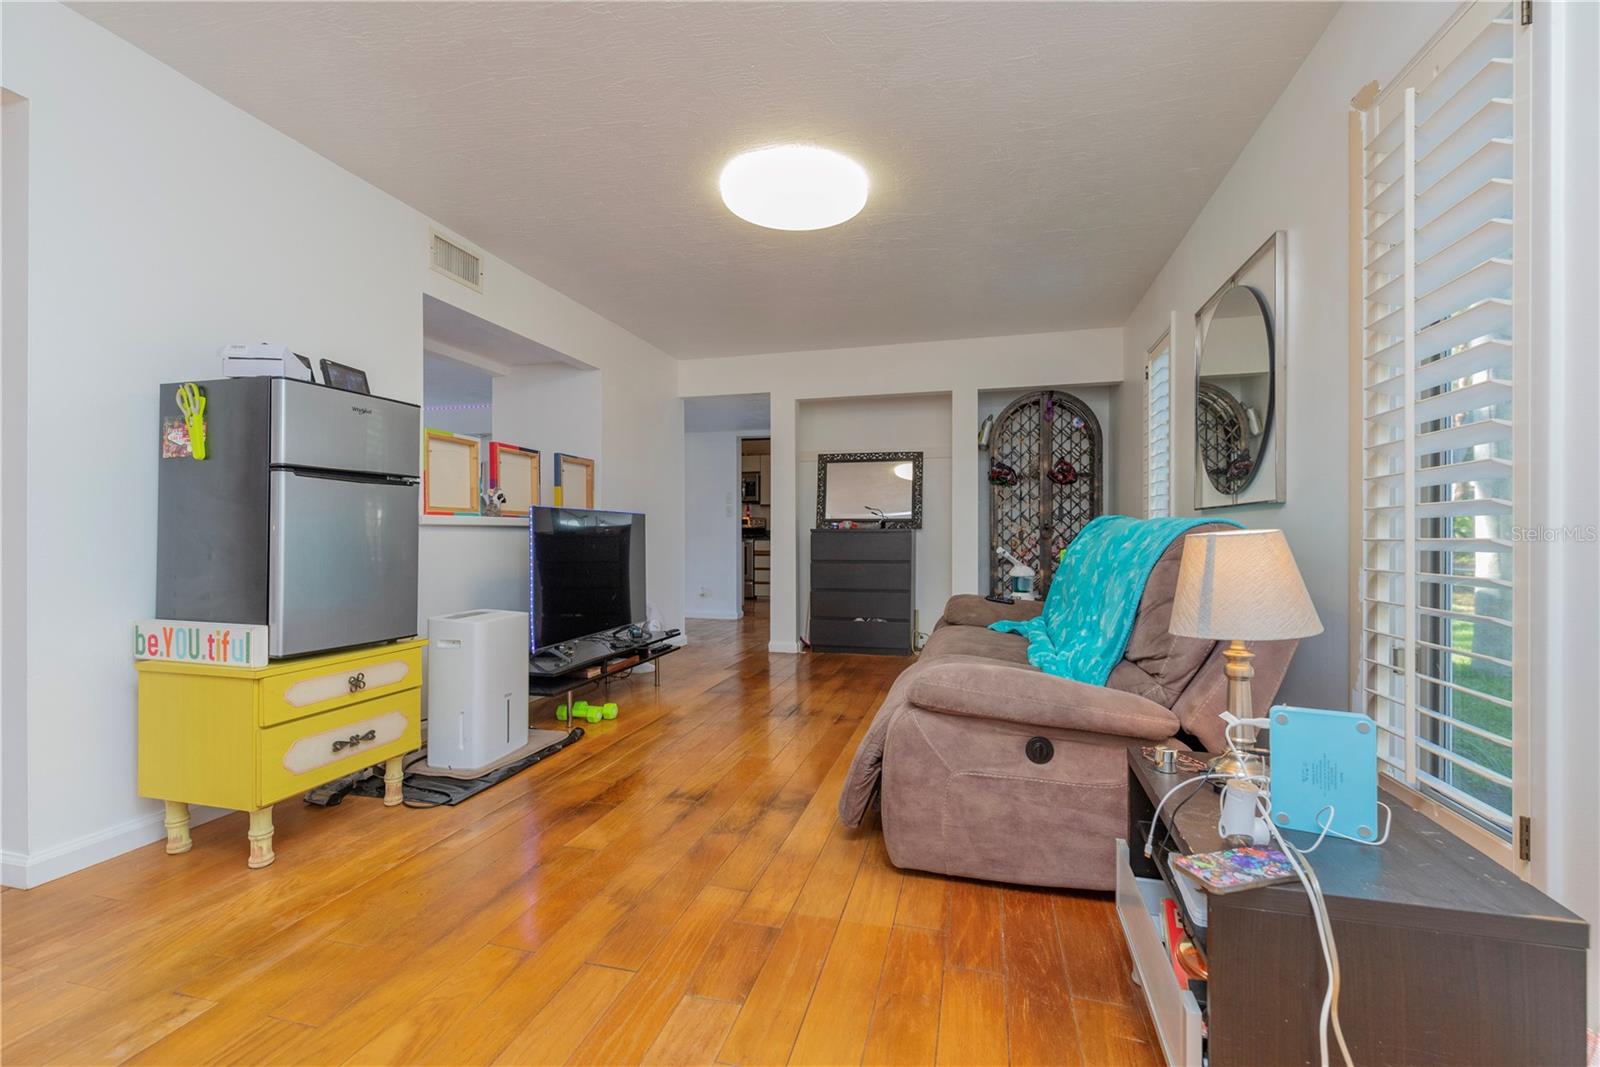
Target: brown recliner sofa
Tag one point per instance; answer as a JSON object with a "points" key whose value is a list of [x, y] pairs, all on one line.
{"points": [[947, 753]]}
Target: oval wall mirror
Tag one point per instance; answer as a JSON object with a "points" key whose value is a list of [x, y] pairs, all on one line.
{"points": [[1234, 389]]}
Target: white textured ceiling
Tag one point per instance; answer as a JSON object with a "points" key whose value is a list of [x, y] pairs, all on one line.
{"points": [[1033, 164]]}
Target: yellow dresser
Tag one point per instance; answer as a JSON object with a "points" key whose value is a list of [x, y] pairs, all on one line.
{"points": [[246, 739]]}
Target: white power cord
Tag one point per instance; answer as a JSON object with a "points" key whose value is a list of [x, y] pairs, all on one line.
{"points": [[1155, 819], [1329, 831], [1330, 951], [1329, 1015]]}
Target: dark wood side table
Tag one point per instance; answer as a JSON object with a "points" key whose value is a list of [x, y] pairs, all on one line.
{"points": [[1445, 956]]}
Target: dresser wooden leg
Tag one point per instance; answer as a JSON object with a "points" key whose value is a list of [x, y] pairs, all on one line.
{"points": [[177, 822], [393, 783], [261, 837]]}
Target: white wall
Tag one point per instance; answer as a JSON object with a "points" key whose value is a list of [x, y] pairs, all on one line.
{"points": [[712, 575], [907, 423], [13, 475], [1565, 610], [456, 395], [960, 368], [218, 228], [556, 409], [1291, 176], [466, 566], [1101, 401]]}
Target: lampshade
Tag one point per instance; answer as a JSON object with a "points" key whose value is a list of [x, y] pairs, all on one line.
{"points": [[1241, 585]]}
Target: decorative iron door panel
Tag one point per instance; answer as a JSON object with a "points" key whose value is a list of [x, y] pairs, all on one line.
{"points": [[1045, 481]]}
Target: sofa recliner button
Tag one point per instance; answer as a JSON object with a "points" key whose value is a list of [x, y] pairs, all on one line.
{"points": [[1039, 749]]}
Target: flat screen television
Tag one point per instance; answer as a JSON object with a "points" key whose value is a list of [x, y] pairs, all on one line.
{"points": [[585, 573]]}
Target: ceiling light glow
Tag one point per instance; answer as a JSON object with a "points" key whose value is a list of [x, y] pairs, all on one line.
{"points": [[794, 187], [903, 470]]}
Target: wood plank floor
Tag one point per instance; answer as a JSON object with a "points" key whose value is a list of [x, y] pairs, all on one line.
{"points": [[673, 889]]}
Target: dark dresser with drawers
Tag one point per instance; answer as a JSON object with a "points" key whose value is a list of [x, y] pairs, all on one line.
{"points": [[863, 591]]}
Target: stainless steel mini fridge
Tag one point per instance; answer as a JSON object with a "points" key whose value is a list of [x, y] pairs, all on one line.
{"points": [[303, 514]]}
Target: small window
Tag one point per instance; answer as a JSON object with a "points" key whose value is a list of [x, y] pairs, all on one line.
{"points": [[1445, 183], [1158, 431]]}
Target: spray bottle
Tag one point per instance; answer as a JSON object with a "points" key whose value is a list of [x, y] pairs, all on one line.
{"points": [[1019, 582]]}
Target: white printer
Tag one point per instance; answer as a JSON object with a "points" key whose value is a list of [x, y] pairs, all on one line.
{"points": [[477, 687], [264, 359]]}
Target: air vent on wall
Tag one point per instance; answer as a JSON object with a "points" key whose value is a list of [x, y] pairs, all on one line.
{"points": [[449, 258]]}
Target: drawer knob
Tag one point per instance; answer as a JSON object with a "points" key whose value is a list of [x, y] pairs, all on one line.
{"points": [[1039, 749], [358, 681], [354, 740]]}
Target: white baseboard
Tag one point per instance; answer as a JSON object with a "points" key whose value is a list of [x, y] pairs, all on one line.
{"points": [[20, 870], [791, 648], [712, 614]]}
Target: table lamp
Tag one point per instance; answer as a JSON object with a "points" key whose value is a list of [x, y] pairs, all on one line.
{"points": [[1238, 586]]}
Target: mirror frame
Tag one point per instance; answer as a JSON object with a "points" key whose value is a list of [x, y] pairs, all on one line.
{"points": [[825, 458], [1266, 274]]}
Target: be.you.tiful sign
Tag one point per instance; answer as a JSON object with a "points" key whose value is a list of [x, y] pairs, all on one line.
{"points": [[209, 643]]}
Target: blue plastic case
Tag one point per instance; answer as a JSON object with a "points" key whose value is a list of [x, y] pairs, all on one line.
{"points": [[1321, 758]]}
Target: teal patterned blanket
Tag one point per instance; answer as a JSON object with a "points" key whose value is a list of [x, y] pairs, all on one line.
{"points": [[1090, 610]]}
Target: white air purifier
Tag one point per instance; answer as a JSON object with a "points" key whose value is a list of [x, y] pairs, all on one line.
{"points": [[477, 687]]}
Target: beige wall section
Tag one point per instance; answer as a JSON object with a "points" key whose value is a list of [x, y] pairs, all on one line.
{"points": [[1291, 176], [962, 369]]}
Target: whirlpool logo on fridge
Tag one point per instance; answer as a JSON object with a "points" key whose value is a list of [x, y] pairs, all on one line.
{"points": [[209, 643]]}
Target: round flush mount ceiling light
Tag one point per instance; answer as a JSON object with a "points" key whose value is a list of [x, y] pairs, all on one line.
{"points": [[903, 470], [794, 187]]}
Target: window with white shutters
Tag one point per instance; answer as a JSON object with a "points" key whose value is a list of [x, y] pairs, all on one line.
{"points": [[1158, 431], [1442, 585]]}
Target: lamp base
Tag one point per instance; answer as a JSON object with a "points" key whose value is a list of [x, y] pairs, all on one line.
{"points": [[1239, 671], [1243, 765]]}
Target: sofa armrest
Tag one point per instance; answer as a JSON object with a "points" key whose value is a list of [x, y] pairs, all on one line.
{"points": [[969, 609], [1022, 695]]}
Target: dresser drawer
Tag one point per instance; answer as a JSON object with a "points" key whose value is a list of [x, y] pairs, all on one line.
{"points": [[338, 682], [299, 756], [833, 574], [838, 604], [848, 635], [862, 545]]}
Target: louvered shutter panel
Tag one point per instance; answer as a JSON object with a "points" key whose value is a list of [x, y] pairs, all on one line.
{"points": [[1158, 434], [1445, 284]]}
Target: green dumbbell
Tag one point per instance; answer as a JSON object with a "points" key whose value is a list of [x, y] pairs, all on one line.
{"points": [[582, 709]]}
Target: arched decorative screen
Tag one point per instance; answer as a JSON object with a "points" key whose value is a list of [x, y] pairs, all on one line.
{"points": [[1045, 481], [1221, 426]]}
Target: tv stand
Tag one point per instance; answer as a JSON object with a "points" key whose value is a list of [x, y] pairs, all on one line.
{"points": [[593, 662]]}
